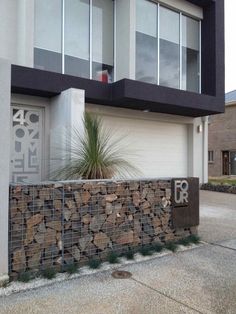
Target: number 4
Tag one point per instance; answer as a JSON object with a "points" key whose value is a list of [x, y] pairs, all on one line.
{"points": [[19, 117]]}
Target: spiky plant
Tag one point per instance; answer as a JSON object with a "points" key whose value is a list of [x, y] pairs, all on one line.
{"points": [[94, 154]]}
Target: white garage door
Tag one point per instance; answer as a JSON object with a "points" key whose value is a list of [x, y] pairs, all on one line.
{"points": [[158, 149]]}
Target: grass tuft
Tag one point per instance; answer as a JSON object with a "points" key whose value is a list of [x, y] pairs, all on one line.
{"points": [[172, 246], [113, 258], [194, 239], [145, 251], [71, 269], [49, 273], [184, 241], [24, 277], [129, 255], [94, 263], [157, 247]]}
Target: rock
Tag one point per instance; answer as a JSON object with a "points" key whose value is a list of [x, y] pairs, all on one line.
{"points": [[34, 261], [132, 208], [57, 204], [19, 260], [136, 199], [41, 227], [78, 198], [67, 214], [97, 222], [84, 242], [111, 198], [86, 197], [70, 203], [56, 225], [148, 230], [30, 233], [34, 220], [133, 186], [120, 190], [165, 219], [156, 222], [108, 208], [125, 238], [151, 197], [60, 245], [137, 226], [130, 218], [75, 216], [46, 238], [75, 252], [86, 219], [101, 240], [44, 194], [112, 219]]}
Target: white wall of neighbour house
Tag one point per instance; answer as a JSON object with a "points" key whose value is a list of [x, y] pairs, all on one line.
{"points": [[17, 31], [5, 87]]}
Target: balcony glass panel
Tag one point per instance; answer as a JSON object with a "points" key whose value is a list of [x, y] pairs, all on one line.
{"points": [[169, 48], [102, 40], [77, 37], [146, 42], [48, 34], [190, 54]]}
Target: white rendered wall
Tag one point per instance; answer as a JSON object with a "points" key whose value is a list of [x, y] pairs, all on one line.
{"points": [[17, 31], [66, 113], [161, 145], [5, 85]]}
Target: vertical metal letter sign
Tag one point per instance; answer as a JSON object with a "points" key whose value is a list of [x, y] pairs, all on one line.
{"points": [[181, 192]]}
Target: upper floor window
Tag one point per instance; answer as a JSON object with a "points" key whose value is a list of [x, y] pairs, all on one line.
{"points": [[75, 37], [167, 47]]}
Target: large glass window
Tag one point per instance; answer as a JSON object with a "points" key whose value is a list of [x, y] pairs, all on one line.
{"points": [[102, 45], [167, 47], [65, 43], [146, 42], [77, 38], [48, 35], [190, 54]]}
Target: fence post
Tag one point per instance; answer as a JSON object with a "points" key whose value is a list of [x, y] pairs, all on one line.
{"points": [[5, 140]]}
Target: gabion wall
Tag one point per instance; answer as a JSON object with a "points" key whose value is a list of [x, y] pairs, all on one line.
{"points": [[52, 225]]}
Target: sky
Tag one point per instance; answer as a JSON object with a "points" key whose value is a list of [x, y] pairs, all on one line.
{"points": [[230, 45]]}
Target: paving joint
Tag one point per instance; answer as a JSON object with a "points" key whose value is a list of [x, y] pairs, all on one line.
{"points": [[222, 246], [167, 296]]}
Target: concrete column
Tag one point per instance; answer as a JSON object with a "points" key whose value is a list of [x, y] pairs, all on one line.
{"points": [[5, 136], [125, 39], [25, 33], [66, 113], [205, 149], [195, 148]]}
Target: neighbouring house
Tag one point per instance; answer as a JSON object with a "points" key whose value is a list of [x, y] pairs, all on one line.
{"points": [[153, 70], [222, 140]]}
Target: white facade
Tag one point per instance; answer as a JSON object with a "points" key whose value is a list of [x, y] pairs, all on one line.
{"points": [[163, 145]]}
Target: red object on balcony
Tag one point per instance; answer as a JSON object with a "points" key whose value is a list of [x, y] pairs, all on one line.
{"points": [[103, 76]]}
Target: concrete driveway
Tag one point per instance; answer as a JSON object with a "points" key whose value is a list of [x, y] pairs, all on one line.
{"points": [[201, 280]]}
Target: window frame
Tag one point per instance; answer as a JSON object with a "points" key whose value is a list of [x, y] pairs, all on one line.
{"points": [[90, 25], [211, 156], [181, 14]]}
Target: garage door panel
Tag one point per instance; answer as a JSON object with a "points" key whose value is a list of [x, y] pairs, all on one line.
{"points": [[159, 149]]}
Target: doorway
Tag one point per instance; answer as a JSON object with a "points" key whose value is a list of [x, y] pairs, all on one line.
{"points": [[229, 163], [26, 144]]}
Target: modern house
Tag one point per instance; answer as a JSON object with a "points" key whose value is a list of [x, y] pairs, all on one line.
{"points": [[222, 140], [152, 69]]}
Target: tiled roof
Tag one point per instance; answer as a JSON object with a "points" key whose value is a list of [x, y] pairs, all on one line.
{"points": [[230, 97]]}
